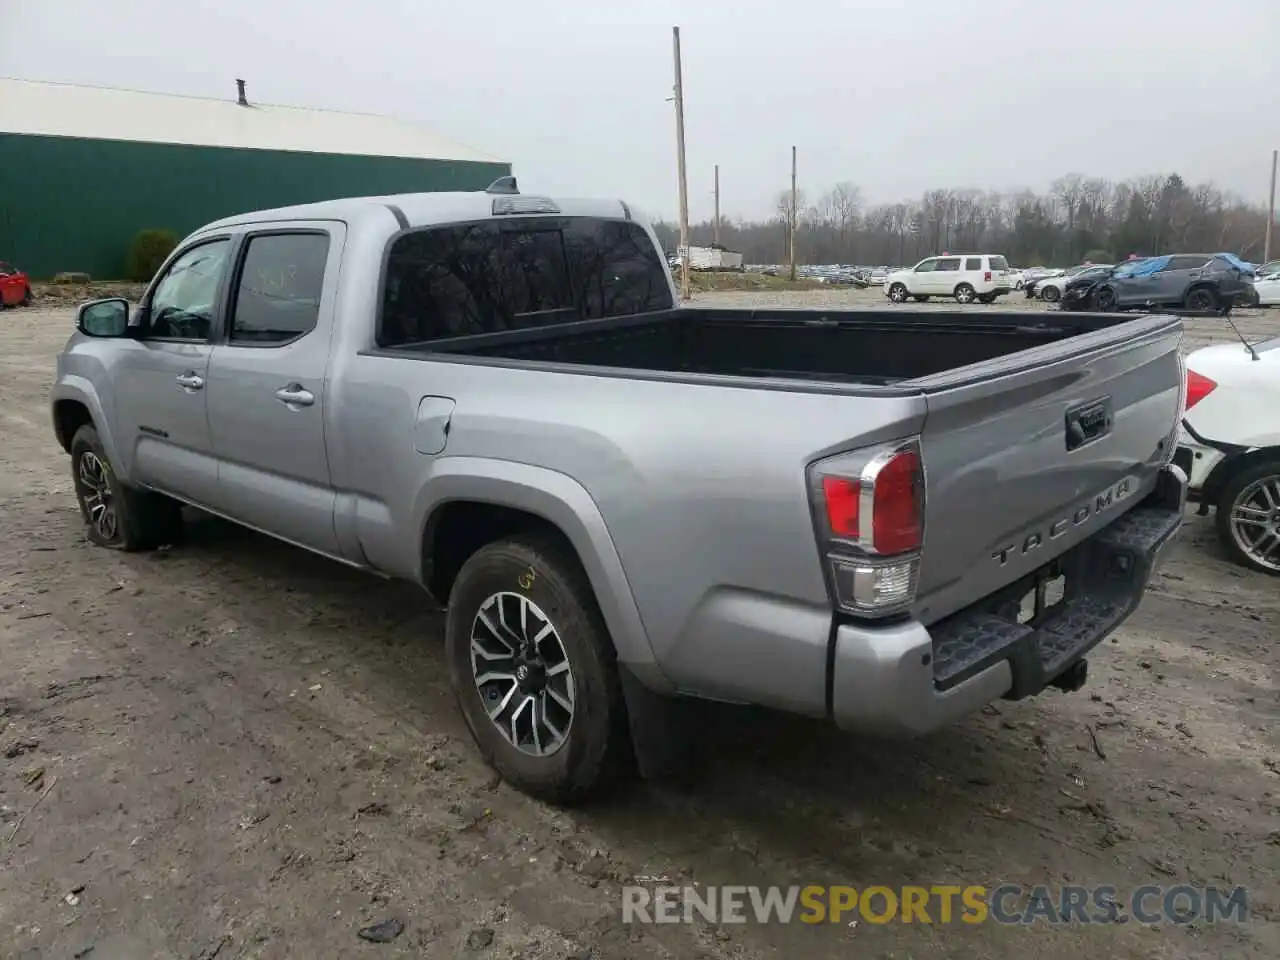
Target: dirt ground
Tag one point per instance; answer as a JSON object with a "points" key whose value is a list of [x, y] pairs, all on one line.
{"points": [[233, 749]]}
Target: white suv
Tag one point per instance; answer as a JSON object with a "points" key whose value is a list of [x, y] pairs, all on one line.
{"points": [[965, 276]]}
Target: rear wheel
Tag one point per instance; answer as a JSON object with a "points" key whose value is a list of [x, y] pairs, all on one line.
{"points": [[965, 293], [1248, 517], [117, 516], [1200, 298], [26, 297], [1051, 294], [534, 669], [898, 293]]}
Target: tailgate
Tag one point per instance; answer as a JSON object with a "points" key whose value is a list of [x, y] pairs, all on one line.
{"points": [[1030, 454]]}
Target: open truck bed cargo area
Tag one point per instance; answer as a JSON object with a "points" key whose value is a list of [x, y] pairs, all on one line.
{"points": [[864, 347]]}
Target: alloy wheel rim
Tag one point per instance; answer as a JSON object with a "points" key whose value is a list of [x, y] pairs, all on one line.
{"points": [[522, 674], [95, 492], [1255, 522], [965, 295]]}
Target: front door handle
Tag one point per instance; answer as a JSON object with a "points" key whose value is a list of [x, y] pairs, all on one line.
{"points": [[190, 380], [294, 395]]}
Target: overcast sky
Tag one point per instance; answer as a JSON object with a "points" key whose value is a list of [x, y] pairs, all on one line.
{"points": [[897, 97]]}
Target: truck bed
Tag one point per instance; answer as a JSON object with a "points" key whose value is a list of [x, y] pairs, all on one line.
{"points": [[866, 347]]}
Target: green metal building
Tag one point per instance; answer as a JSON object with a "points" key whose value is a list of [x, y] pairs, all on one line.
{"points": [[84, 169]]}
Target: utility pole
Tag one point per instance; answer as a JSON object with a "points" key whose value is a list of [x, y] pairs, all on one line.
{"points": [[684, 184], [1271, 209], [791, 237], [717, 220]]}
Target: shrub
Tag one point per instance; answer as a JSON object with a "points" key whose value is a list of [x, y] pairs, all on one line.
{"points": [[147, 255], [1098, 256]]}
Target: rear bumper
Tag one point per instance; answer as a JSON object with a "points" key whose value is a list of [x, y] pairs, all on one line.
{"points": [[908, 680], [1197, 462]]}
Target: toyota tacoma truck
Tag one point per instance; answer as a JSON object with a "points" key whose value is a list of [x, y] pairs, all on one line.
{"points": [[628, 505]]}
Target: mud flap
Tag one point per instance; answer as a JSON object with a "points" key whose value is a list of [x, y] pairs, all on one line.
{"points": [[664, 730]]}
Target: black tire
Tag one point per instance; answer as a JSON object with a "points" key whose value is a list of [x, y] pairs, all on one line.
{"points": [[1105, 300], [898, 293], [1236, 489], [138, 519], [922, 298], [1200, 298], [987, 298], [1051, 294], [964, 293], [26, 297], [595, 743]]}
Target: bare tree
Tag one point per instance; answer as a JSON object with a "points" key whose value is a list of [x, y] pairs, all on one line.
{"points": [[846, 207], [1068, 191]]}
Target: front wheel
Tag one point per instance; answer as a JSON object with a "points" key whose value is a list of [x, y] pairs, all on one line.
{"points": [[1248, 517], [987, 298], [117, 516], [26, 297], [1105, 300], [1051, 294], [965, 293], [898, 293], [534, 669], [1201, 298]]}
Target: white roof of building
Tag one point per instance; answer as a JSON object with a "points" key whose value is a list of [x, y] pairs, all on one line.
{"points": [[100, 113]]}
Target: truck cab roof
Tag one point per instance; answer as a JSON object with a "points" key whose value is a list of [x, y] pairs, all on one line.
{"points": [[425, 209]]}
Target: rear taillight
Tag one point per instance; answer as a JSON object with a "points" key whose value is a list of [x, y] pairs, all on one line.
{"points": [[869, 511], [1198, 387], [986, 277]]}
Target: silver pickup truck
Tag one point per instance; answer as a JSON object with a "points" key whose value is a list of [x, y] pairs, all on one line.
{"points": [[882, 518]]}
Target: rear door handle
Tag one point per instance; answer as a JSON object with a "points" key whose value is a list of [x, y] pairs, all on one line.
{"points": [[294, 395], [190, 380]]}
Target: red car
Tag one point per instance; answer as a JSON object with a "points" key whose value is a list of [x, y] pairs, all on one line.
{"points": [[15, 287]]}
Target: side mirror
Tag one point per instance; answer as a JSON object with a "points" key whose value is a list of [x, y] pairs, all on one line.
{"points": [[104, 318]]}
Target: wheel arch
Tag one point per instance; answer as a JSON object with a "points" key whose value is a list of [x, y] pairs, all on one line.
{"points": [[1232, 465], [75, 403], [1208, 285], [472, 501]]}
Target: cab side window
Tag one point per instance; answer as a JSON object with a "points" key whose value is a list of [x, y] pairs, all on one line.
{"points": [[183, 302], [949, 264], [277, 295]]}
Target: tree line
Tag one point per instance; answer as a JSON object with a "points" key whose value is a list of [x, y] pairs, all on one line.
{"points": [[1079, 218]]}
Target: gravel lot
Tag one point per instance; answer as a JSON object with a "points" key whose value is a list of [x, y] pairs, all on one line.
{"points": [[233, 749]]}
